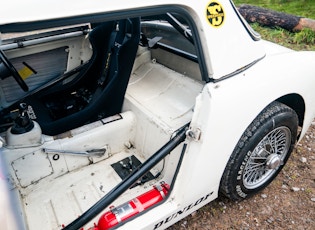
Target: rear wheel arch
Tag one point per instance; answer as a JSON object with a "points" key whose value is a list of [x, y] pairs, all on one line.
{"points": [[295, 102]]}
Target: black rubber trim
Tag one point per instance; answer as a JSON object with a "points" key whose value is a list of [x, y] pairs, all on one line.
{"points": [[238, 71]]}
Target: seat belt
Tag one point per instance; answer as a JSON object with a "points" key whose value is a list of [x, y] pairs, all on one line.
{"points": [[109, 52], [115, 43]]}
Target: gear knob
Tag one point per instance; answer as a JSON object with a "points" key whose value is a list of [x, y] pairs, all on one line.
{"points": [[23, 123]]}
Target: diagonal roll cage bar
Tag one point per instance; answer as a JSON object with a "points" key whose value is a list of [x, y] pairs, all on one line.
{"points": [[119, 189]]}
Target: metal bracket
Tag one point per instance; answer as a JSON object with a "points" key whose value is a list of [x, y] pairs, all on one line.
{"points": [[87, 153], [193, 134]]}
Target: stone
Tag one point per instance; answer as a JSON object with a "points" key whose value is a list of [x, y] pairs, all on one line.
{"points": [[303, 159], [295, 189]]}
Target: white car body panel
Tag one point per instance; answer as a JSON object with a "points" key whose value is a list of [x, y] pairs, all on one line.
{"points": [[245, 77], [210, 36]]}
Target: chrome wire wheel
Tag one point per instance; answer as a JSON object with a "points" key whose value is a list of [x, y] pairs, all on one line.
{"points": [[261, 152], [266, 158]]}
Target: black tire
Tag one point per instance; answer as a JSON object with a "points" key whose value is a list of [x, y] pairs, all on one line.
{"points": [[261, 152]]}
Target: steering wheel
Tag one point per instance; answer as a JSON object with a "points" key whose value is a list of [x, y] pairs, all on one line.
{"points": [[13, 71]]}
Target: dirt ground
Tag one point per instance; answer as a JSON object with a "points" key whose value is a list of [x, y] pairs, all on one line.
{"points": [[287, 203]]}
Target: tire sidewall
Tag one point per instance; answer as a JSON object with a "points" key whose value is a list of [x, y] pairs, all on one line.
{"points": [[243, 156]]}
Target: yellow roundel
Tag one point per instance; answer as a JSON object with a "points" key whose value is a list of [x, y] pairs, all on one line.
{"points": [[215, 14]]}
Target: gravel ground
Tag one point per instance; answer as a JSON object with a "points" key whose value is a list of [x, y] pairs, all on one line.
{"points": [[287, 203]]}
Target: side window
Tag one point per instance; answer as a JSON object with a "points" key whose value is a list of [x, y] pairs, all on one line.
{"points": [[173, 32], [41, 56]]}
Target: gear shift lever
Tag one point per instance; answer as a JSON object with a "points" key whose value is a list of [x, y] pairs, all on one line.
{"points": [[23, 123]]}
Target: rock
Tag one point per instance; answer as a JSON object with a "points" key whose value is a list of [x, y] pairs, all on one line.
{"points": [[194, 214], [270, 220], [264, 196], [295, 189], [266, 210], [313, 199], [303, 159]]}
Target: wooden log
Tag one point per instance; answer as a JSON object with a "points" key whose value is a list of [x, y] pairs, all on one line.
{"points": [[271, 18], [305, 23]]}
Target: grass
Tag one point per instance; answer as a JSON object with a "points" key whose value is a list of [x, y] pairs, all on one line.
{"points": [[305, 36], [303, 40]]}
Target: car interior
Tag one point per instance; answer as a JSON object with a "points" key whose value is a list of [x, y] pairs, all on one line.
{"points": [[98, 87], [65, 89], [106, 95]]}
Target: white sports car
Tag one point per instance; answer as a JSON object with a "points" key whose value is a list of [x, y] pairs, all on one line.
{"points": [[133, 114]]}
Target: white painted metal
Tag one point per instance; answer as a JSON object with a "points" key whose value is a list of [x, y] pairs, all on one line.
{"points": [[29, 139], [168, 95], [241, 51], [158, 102], [8, 216]]}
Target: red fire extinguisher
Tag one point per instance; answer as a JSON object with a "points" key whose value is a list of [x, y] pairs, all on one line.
{"points": [[131, 208]]}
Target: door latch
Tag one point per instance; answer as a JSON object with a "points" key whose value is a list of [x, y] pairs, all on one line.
{"points": [[193, 134]]}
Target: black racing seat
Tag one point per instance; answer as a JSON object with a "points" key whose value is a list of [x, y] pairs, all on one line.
{"points": [[105, 78]]}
